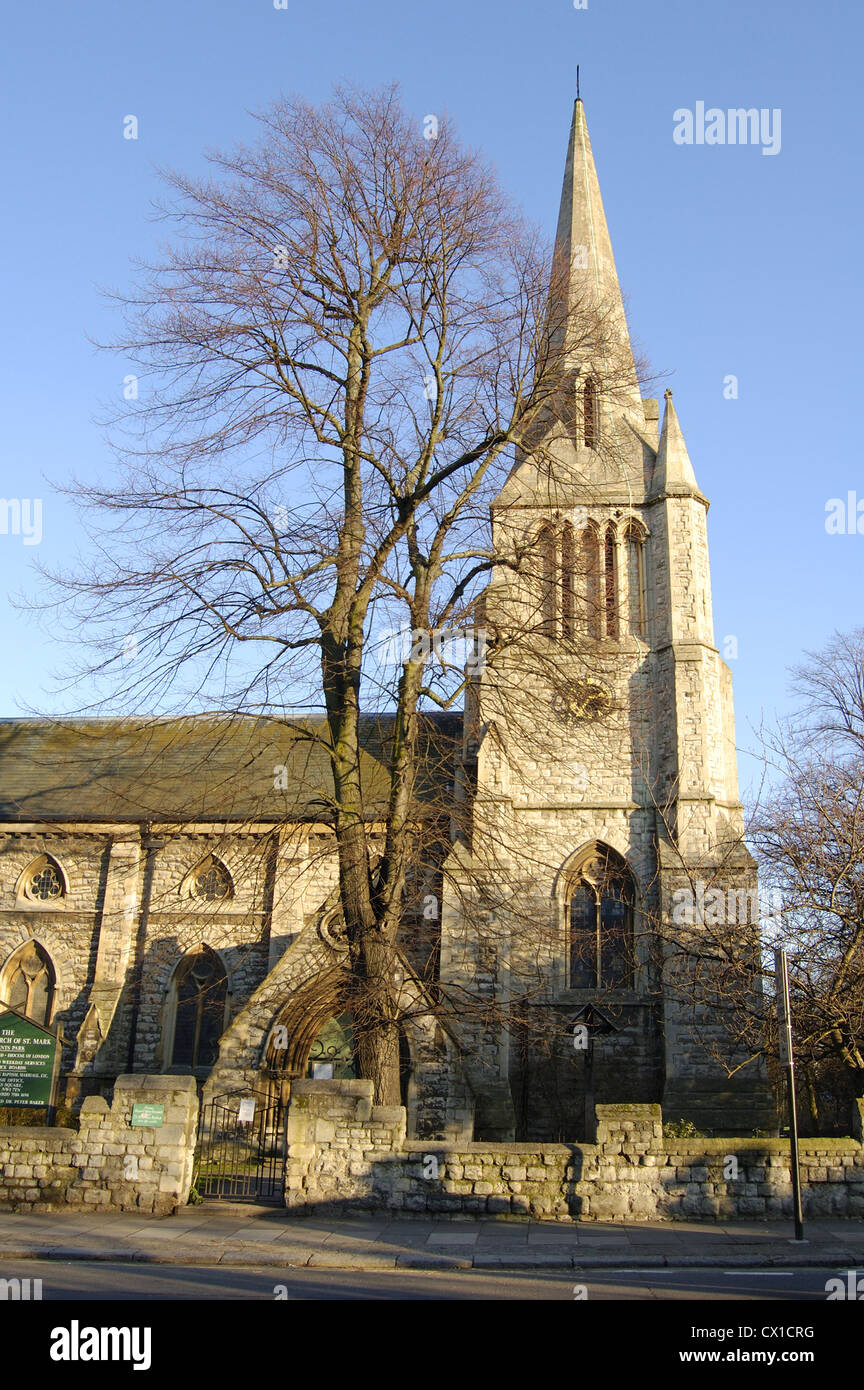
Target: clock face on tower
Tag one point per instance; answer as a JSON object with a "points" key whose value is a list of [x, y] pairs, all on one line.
{"points": [[587, 700]]}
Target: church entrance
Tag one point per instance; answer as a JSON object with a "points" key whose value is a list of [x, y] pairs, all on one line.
{"points": [[241, 1148], [312, 1038]]}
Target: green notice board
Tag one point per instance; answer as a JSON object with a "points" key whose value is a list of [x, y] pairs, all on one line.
{"points": [[148, 1116], [27, 1061]]}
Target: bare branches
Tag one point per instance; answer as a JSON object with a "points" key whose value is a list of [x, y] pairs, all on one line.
{"points": [[346, 351]]}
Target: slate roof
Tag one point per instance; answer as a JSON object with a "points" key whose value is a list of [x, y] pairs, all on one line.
{"points": [[200, 768]]}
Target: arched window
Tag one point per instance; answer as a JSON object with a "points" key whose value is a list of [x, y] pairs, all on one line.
{"points": [[590, 414], [600, 914], [28, 983], [211, 881], [636, 581], [199, 993], [43, 881], [610, 581], [589, 565], [568, 580], [548, 568]]}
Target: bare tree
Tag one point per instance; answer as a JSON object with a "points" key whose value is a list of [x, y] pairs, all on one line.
{"points": [[350, 334], [811, 843]]}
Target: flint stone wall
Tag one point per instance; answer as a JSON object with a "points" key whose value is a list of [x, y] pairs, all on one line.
{"points": [[44, 1169], [344, 1155]]}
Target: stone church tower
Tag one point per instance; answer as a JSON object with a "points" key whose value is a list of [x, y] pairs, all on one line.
{"points": [[604, 739]]}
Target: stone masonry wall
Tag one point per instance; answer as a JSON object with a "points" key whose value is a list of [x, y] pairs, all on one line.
{"points": [[346, 1155], [106, 1164]]}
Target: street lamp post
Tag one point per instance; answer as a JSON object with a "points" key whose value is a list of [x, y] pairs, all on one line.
{"points": [[787, 1059]]}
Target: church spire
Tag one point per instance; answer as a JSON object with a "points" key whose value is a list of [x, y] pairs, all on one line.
{"points": [[583, 248], [673, 471]]}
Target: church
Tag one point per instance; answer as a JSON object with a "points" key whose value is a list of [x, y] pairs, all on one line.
{"points": [[169, 887]]}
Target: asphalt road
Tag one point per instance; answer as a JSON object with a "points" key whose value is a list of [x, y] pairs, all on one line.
{"points": [[78, 1280]]}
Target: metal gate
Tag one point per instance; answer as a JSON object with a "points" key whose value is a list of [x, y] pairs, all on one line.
{"points": [[241, 1159]]}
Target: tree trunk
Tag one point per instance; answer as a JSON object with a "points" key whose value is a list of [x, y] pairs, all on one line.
{"points": [[375, 1013]]}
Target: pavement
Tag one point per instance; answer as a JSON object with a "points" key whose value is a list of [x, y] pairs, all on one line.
{"points": [[227, 1233]]}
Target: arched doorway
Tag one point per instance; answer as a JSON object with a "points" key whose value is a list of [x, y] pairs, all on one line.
{"points": [[312, 1038]]}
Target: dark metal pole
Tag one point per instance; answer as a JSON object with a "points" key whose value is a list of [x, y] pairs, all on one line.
{"points": [[51, 1117], [787, 1058], [590, 1135]]}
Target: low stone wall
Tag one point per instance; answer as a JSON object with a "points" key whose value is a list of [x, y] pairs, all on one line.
{"points": [[106, 1164], [345, 1155]]}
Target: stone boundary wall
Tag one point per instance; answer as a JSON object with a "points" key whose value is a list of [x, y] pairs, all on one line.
{"points": [[346, 1155], [106, 1164]]}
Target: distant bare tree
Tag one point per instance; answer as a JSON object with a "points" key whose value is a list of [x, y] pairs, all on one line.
{"points": [[810, 838]]}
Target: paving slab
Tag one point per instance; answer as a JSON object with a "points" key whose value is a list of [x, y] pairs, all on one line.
{"points": [[603, 1241], [414, 1231], [311, 1238], [359, 1242], [262, 1237], [163, 1234], [556, 1233]]}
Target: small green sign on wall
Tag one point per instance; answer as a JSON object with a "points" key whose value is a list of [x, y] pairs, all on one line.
{"points": [[148, 1116]]}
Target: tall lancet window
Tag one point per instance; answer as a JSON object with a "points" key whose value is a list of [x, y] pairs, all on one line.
{"points": [[568, 582], [196, 1009], [27, 983], [590, 414], [548, 580], [610, 582], [601, 911], [589, 565], [636, 581]]}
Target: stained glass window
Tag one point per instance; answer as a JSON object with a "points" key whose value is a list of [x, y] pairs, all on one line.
{"points": [[601, 927], [201, 986], [44, 882], [28, 983], [212, 881]]}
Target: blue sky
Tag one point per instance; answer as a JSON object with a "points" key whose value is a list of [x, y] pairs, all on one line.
{"points": [[735, 263]]}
